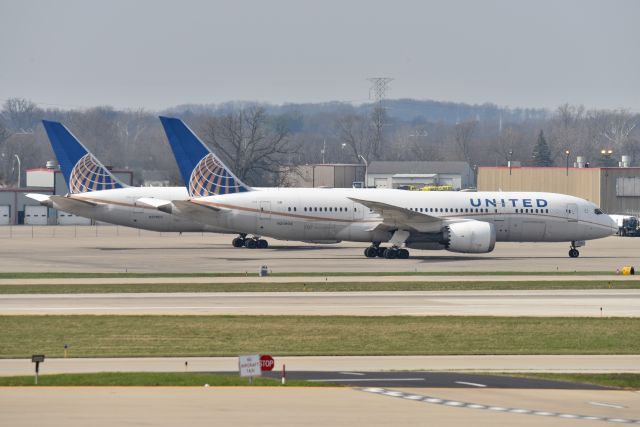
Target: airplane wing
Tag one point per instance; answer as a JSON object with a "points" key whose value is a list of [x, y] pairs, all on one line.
{"points": [[399, 217]]}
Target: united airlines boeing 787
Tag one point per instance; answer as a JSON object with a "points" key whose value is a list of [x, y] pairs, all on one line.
{"points": [[391, 220]]}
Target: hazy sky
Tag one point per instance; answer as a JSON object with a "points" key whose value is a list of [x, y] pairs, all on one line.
{"points": [[156, 54]]}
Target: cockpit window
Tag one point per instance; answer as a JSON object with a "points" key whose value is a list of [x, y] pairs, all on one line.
{"points": [[598, 212]]}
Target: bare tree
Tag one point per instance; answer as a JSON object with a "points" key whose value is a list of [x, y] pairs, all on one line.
{"points": [[250, 142], [355, 132], [462, 137], [618, 126], [21, 114]]}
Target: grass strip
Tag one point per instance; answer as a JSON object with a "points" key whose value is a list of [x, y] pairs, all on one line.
{"points": [[73, 275], [314, 287], [622, 380], [149, 379], [134, 336]]}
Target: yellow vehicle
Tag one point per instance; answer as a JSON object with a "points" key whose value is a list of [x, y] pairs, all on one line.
{"points": [[437, 188]]}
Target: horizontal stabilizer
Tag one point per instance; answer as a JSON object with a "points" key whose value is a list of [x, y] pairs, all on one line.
{"points": [[153, 203], [43, 199]]}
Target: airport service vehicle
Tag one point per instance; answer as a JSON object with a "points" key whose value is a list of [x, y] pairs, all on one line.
{"points": [[628, 225], [466, 222], [97, 194]]}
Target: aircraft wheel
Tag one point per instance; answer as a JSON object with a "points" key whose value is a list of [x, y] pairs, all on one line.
{"points": [[250, 244], [403, 253], [370, 252], [263, 244], [574, 253], [238, 242], [381, 252], [390, 253]]}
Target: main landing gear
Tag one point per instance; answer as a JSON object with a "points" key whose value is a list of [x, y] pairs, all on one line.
{"points": [[375, 250], [249, 242]]}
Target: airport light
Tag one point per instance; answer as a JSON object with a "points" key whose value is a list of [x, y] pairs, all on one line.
{"points": [[19, 169], [566, 153], [606, 155]]}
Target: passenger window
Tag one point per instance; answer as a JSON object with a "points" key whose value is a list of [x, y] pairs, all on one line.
{"points": [[294, 209], [598, 211], [289, 208]]}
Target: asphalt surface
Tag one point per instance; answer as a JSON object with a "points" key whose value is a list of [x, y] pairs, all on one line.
{"points": [[314, 407], [120, 249], [425, 379], [584, 303]]}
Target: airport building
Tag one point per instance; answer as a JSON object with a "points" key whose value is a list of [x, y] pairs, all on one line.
{"points": [[397, 174], [339, 175], [16, 208], [615, 190]]}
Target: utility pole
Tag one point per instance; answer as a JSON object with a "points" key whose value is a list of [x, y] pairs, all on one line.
{"points": [[378, 90]]}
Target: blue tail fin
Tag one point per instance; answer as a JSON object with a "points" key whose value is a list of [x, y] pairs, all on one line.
{"points": [[204, 174], [81, 170]]}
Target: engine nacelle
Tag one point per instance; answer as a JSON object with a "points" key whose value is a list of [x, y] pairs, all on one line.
{"points": [[470, 237]]}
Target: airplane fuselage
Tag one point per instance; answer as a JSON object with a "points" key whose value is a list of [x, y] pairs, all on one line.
{"points": [[326, 215]]}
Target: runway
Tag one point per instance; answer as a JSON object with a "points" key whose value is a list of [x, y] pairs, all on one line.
{"points": [[120, 249], [564, 303], [284, 406]]}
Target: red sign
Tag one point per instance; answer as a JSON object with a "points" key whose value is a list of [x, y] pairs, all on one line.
{"points": [[266, 363]]}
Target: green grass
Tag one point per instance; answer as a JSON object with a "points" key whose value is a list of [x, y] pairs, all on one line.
{"points": [[314, 287], [148, 379], [121, 336], [68, 275], [624, 380]]}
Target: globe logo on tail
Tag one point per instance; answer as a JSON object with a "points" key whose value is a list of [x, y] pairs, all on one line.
{"points": [[210, 177], [89, 175]]}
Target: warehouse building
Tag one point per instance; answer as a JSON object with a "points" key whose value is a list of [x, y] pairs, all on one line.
{"points": [[340, 175], [615, 190], [397, 174], [16, 208]]}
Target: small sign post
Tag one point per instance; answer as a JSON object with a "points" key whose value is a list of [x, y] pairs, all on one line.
{"points": [[37, 359], [250, 366]]}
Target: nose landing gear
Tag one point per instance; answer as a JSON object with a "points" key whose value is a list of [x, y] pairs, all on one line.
{"points": [[573, 252]]}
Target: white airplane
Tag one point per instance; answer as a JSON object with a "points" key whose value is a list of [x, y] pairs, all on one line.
{"points": [[466, 222], [95, 193]]}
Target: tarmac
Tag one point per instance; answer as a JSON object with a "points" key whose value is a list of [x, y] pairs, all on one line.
{"points": [[467, 363], [566, 303], [284, 406], [121, 249]]}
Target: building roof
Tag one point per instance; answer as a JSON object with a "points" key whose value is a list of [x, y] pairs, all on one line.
{"points": [[393, 167]]}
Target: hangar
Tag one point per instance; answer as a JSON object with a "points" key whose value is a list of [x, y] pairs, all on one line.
{"points": [[16, 208], [398, 174]]}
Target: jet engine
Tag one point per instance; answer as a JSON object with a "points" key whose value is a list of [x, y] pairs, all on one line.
{"points": [[469, 237]]}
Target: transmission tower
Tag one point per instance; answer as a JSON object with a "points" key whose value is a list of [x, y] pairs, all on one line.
{"points": [[378, 90]]}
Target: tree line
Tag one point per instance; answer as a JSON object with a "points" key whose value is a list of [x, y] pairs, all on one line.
{"points": [[258, 141]]}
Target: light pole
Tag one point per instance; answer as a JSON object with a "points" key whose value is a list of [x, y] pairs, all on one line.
{"points": [[606, 155], [19, 169], [566, 153], [366, 171]]}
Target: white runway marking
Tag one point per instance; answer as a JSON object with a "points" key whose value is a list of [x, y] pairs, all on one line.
{"points": [[365, 379], [606, 405], [351, 373], [471, 384], [520, 411]]}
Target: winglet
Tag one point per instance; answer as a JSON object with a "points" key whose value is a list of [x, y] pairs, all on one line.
{"points": [[81, 170], [204, 174]]}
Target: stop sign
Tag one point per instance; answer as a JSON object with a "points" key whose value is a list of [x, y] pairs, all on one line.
{"points": [[266, 362]]}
